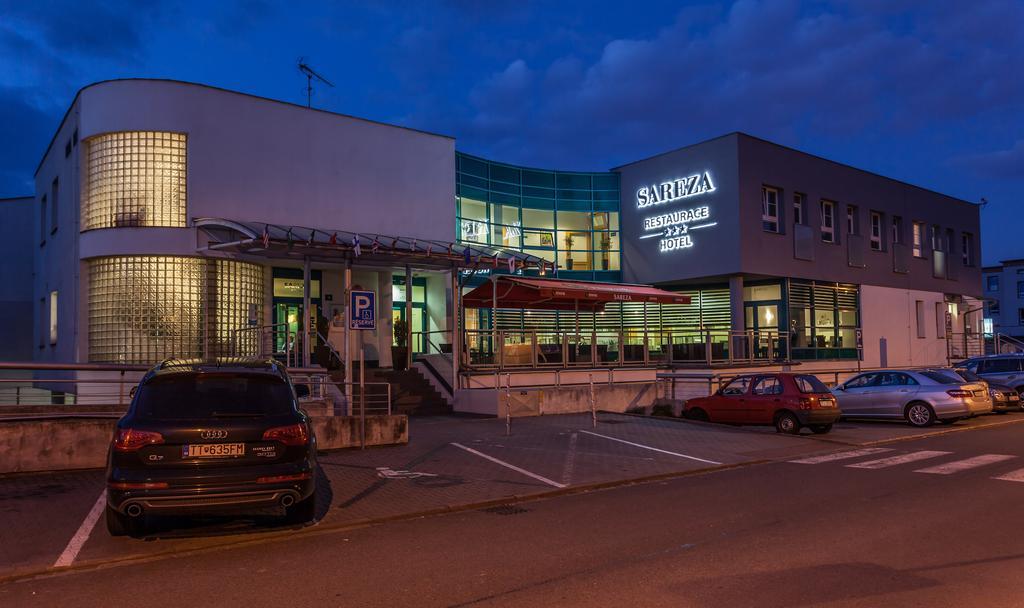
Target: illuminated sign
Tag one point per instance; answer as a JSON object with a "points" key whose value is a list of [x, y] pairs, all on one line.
{"points": [[674, 190], [513, 231], [473, 230], [674, 228]]}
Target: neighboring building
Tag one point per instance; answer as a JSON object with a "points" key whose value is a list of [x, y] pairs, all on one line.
{"points": [[155, 178], [17, 247], [1003, 286]]}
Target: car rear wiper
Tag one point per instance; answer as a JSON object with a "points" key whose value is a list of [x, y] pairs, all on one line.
{"points": [[237, 414]]}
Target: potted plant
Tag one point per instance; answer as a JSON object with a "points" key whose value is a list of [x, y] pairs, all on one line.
{"points": [[400, 350], [568, 251]]}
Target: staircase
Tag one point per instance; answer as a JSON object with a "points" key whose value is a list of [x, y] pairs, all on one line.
{"points": [[411, 393]]}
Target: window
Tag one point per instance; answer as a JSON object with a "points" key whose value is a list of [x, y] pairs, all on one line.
{"points": [[992, 282], [769, 209], [918, 241], [967, 248], [919, 310], [810, 384], [851, 220], [53, 318], [1004, 365], [134, 178], [940, 319], [54, 204], [798, 208], [861, 381], [828, 221], [876, 231], [993, 307], [897, 229], [1020, 289], [42, 221], [767, 385], [738, 386], [936, 238]]}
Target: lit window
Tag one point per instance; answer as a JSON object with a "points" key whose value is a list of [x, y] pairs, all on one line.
{"points": [[769, 209], [918, 240], [937, 238], [53, 318], [876, 231], [828, 221], [134, 178], [897, 229], [851, 219], [967, 248], [992, 282], [798, 208]]}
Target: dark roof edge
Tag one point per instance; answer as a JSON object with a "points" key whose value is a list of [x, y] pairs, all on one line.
{"points": [[223, 90], [5, 199]]}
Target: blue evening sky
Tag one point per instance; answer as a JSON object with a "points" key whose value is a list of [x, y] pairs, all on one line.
{"points": [[927, 92]]}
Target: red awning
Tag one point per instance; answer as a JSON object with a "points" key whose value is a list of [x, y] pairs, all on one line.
{"points": [[556, 294]]}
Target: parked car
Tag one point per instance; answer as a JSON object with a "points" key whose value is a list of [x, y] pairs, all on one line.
{"points": [[919, 396], [211, 437], [1004, 398], [1001, 369], [789, 401]]}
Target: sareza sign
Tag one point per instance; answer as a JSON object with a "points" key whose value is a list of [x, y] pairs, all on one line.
{"points": [[673, 228], [674, 190]]}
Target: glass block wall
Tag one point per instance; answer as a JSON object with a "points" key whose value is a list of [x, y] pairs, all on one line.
{"points": [[134, 178], [570, 218], [143, 309]]}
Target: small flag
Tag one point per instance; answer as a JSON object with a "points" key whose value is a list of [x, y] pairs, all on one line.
{"points": [[266, 236], [394, 243], [429, 247], [467, 256], [449, 249], [309, 241], [334, 239], [412, 246], [289, 237], [495, 260], [355, 246], [375, 246], [512, 265]]}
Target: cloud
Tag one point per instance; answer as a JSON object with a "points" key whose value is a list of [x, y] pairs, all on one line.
{"points": [[26, 132], [1007, 164]]}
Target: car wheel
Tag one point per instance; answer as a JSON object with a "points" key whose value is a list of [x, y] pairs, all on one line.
{"points": [[697, 414], [301, 512], [820, 429], [119, 524], [920, 414], [786, 422]]}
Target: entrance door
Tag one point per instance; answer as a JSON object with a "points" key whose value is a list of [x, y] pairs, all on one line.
{"points": [[290, 313], [418, 324], [764, 316]]}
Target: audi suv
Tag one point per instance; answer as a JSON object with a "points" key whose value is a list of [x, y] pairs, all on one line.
{"points": [[211, 437]]}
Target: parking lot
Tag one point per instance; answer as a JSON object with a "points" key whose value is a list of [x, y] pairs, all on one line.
{"points": [[450, 463]]}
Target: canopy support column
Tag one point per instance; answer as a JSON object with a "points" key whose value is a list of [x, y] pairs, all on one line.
{"points": [[408, 316], [456, 326], [346, 302], [309, 322]]}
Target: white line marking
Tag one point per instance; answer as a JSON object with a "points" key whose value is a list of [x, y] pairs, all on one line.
{"points": [[511, 466], [78, 540], [647, 447], [967, 463], [1017, 475], [892, 461], [841, 456]]}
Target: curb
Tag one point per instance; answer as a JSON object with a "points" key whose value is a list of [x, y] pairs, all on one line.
{"points": [[320, 529]]}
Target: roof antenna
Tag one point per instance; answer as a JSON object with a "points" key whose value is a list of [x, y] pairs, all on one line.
{"points": [[310, 74]]}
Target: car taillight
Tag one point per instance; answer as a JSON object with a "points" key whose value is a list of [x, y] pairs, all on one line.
{"points": [[130, 440], [280, 478], [805, 403], [959, 394], [293, 434]]}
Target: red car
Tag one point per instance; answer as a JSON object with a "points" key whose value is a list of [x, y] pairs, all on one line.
{"points": [[789, 401]]}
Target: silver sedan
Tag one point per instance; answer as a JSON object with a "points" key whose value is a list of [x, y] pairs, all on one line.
{"points": [[920, 396]]}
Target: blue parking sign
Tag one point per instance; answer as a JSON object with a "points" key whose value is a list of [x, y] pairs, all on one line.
{"points": [[364, 310]]}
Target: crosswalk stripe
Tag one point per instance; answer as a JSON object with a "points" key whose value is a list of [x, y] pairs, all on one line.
{"points": [[1017, 475], [892, 461], [967, 463], [841, 456]]}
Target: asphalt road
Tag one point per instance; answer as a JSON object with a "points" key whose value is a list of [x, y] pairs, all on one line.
{"points": [[916, 523]]}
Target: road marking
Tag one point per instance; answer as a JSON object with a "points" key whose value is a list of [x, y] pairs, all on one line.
{"points": [[511, 466], [570, 459], [647, 447], [387, 473], [892, 461], [967, 463], [1017, 475], [78, 540], [841, 455]]}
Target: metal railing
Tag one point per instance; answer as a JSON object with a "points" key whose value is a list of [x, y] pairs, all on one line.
{"points": [[1004, 344], [964, 345], [538, 349], [274, 340]]}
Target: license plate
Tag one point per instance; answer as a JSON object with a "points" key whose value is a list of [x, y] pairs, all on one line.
{"points": [[979, 393], [212, 450], [1014, 397], [827, 403]]}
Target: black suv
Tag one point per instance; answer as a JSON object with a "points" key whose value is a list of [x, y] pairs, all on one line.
{"points": [[204, 437]]}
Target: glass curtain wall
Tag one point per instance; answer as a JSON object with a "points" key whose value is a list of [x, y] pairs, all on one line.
{"points": [[568, 218], [823, 320]]}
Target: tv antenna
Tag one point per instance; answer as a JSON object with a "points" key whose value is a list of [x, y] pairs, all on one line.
{"points": [[310, 74]]}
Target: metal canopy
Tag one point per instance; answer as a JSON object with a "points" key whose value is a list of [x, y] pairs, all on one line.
{"points": [[556, 294], [296, 242]]}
